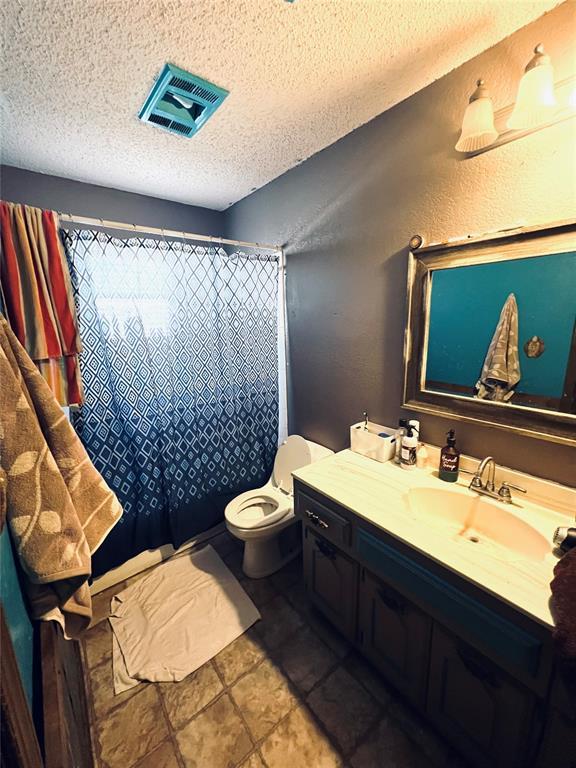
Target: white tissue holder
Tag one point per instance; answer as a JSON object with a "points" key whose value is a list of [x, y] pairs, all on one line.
{"points": [[368, 443]]}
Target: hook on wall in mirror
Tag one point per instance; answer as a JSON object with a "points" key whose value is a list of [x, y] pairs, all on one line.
{"points": [[534, 347]]}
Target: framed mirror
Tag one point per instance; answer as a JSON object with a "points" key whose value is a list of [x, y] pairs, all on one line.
{"points": [[491, 331]]}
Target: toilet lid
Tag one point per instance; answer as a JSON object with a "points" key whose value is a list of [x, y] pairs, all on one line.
{"points": [[292, 454]]}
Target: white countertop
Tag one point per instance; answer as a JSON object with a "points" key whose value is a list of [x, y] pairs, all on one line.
{"points": [[378, 493]]}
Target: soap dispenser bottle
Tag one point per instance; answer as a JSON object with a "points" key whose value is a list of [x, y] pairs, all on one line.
{"points": [[409, 448], [400, 432], [449, 459]]}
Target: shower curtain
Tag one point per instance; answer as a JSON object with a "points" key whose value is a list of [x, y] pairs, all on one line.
{"points": [[180, 372]]}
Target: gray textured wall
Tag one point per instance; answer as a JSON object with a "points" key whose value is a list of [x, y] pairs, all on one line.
{"points": [[67, 196], [347, 213]]}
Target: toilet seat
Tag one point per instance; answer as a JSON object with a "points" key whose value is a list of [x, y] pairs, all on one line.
{"points": [[265, 506], [258, 509]]}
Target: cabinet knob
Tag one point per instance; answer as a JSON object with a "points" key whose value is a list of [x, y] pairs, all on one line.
{"points": [[478, 666], [391, 601], [326, 549]]}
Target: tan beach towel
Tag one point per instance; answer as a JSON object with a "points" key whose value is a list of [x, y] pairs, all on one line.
{"points": [[501, 369], [58, 507]]}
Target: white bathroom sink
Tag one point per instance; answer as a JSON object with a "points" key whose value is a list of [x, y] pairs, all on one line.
{"points": [[471, 518]]}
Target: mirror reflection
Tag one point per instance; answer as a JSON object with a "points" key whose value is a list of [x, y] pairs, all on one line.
{"points": [[505, 331]]}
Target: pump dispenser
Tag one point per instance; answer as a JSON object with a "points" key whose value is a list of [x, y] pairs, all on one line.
{"points": [[400, 432], [409, 448], [449, 459]]}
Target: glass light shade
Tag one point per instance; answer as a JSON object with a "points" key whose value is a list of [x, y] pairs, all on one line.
{"points": [[478, 129], [536, 101]]}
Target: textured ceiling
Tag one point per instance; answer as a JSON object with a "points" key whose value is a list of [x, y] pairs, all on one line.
{"points": [[300, 75]]}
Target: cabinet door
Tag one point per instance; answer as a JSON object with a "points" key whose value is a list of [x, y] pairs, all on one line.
{"points": [[395, 636], [331, 582], [559, 745], [477, 706]]}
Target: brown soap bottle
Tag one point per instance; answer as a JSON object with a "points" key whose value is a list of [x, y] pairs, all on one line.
{"points": [[449, 459]]}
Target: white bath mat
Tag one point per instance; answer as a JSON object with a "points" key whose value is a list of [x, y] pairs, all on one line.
{"points": [[176, 619]]}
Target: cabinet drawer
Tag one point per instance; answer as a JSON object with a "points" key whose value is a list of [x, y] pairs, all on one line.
{"points": [[329, 524], [331, 582], [479, 708], [395, 636], [517, 650]]}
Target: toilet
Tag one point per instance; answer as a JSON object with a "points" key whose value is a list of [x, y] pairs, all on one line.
{"points": [[264, 518]]}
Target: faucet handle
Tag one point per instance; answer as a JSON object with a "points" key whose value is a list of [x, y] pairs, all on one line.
{"points": [[504, 491]]}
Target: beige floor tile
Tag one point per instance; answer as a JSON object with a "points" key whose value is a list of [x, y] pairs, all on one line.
{"points": [[296, 596], [216, 738], [298, 742], [289, 575], [254, 761], [333, 639], [279, 621], [305, 658], [184, 699], [98, 643], [102, 687], [260, 591], [345, 707], [371, 679], [101, 602], [234, 561], [264, 698], [389, 746], [224, 544], [421, 732], [163, 756], [133, 730], [240, 656]]}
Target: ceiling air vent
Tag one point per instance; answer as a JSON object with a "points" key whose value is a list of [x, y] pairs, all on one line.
{"points": [[180, 102]]}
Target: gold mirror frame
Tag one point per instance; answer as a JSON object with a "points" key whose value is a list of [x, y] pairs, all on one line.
{"points": [[554, 426]]}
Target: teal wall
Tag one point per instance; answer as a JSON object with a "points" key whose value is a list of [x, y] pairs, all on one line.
{"points": [[466, 305], [19, 625]]}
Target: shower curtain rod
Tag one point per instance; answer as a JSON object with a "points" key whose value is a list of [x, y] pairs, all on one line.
{"points": [[165, 232]]}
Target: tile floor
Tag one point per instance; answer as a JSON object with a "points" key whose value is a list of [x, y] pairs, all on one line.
{"points": [[289, 693]]}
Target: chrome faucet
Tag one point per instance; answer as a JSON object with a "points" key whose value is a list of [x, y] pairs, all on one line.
{"points": [[488, 488], [477, 484]]}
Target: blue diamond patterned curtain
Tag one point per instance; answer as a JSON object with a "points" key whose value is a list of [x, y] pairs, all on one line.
{"points": [[180, 371]]}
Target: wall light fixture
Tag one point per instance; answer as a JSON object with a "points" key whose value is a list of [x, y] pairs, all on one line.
{"points": [[539, 103]]}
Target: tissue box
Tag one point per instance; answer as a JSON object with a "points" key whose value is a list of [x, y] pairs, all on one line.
{"points": [[369, 443]]}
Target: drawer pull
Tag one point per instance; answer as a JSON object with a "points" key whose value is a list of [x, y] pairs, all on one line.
{"points": [[478, 667], [326, 549], [392, 602], [313, 517]]}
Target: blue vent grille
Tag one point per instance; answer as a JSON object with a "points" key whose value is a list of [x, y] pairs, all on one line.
{"points": [[181, 102]]}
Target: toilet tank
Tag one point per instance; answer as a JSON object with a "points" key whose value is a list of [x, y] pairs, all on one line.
{"points": [[295, 452]]}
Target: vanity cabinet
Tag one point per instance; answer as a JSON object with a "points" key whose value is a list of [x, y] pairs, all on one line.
{"points": [[395, 635], [331, 579], [477, 668], [559, 743], [477, 706]]}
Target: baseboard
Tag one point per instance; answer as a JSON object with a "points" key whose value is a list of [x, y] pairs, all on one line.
{"points": [[147, 559]]}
